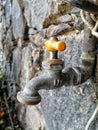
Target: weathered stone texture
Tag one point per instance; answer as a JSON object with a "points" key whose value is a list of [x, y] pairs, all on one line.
{"points": [[66, 108], [36, 12], [16, 64], [38, 119], [42, 13], [8, 13], [65, 18], [17, 20], [55, 30]]}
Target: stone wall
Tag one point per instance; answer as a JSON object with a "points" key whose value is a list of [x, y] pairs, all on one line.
{"points": [[26, 25]]}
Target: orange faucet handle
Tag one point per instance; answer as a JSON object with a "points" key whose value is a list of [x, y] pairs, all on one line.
{"points": [[55, 45]]}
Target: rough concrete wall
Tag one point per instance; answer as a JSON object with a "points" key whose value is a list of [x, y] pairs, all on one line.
{"points": [[26, 25]]}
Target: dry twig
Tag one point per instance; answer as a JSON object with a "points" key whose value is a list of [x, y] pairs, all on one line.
{"points": [[5, 98], [92, 118]]}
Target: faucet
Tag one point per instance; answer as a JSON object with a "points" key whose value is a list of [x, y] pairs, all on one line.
{"points": [[53, 75]]}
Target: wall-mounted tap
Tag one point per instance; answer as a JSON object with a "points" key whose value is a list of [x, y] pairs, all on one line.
{"points": [[53, 75], [50, 78]]}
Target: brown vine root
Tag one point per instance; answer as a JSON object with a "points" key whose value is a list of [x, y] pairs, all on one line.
{"points": [[94, 31], [93, 28], [82, 13]]}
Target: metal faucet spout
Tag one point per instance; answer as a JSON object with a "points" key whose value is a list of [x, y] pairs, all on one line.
{"points": [[46, 81]]}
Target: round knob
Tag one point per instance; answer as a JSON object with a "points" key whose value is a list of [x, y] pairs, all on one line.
{"points": [[55, 45]]}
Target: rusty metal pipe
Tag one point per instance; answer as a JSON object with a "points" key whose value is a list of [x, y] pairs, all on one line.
{"points": [[87, 5], [88, 47], [87, 59]]}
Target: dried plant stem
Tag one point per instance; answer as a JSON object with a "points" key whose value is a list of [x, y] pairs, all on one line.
{"points": [[12, 124], [92, 118]]}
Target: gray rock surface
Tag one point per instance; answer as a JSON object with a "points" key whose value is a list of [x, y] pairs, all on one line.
{"points": [[8, 13], [42, 13], [17, 20], [55, 30], [66, 108], [65, 18]]}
